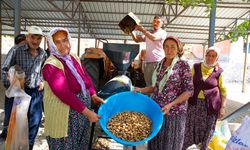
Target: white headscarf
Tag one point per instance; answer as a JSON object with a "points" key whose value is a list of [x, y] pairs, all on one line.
{"points": [[215, 49], [67, 58]]}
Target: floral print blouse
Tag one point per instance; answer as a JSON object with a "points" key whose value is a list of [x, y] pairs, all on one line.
{"points": [[179, 81]]}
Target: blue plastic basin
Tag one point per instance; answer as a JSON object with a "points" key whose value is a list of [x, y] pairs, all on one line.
{"points": [[130, 101]]}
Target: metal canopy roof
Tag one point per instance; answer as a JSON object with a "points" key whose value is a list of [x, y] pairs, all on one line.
{"points": [[99, 18]]}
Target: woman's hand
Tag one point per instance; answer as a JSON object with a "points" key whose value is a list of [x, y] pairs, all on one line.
{"points": [[137, 90], [97, 100], [222, 113], [166, 109], [92, 116]]}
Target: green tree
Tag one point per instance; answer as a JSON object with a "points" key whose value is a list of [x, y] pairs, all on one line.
{"points": [[193, 3], [239, 31]]}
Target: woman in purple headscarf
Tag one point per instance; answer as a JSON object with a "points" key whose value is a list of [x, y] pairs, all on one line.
{"points": [[68, 94], [208, 101]]}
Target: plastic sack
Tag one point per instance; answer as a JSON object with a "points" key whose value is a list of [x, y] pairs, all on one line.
{"points": [[221, 136], [18, 137], [240, 139], [217, 142]]}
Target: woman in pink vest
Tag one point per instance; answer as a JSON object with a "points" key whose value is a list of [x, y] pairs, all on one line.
{"points": [[208, 101], [67, 96]]}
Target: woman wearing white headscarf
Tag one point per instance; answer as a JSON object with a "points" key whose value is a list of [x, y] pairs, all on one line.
{"points": [[208, 102], [68, 94]]}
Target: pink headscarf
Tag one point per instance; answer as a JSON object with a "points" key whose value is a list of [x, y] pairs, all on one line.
{"points": [[178, 42]]}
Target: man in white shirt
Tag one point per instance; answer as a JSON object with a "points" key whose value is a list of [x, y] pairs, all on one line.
{"points": [[154, 46]]}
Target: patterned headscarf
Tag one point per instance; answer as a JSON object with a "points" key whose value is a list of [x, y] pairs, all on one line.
{"points": [[178, 42], [67, 58], [169, 69]]}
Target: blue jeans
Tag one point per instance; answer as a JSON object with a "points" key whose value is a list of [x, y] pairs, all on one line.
{"points": [[34, 113], [8, 102]]}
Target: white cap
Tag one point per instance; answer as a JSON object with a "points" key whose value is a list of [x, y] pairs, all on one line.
{"points": [[35, 30]]}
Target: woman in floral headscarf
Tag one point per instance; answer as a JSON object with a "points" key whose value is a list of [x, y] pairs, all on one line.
{"points": [[68, 93], [208, 102], [172, 86]]}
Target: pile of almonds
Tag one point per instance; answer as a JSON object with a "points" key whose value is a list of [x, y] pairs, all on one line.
{"points": [[130, 126]]}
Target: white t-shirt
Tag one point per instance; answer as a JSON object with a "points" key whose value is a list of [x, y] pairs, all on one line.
{"points": [[154, 49]]}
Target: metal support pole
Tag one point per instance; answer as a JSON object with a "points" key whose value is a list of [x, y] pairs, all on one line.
{"points": [[212, 25], [79, 34], [204, 51], [246, 59], [17, 16], [1, 36], [79, 40], [96, 43], [45, 43]]}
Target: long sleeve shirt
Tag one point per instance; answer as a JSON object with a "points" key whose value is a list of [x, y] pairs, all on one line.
{"points": [[65, 86], [178, 82], [205, 74], [20, 55]]}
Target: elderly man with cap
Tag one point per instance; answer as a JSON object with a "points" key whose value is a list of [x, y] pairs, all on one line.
{"points": [[30, 58], [208, 101]]}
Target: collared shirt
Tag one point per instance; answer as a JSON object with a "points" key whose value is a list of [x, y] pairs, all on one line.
{"points": [[20, 55]]}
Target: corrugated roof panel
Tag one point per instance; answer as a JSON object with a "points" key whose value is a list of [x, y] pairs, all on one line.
{"points": [[7, 27], [103, 17], [196, 11], [193, 41], [231, 13], [195, 36], [35, 4], [7, 13], [112, 7], [186, 30], [223, 22], [191, 21]]}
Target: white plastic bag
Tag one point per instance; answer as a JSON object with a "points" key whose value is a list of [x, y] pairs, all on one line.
{"points": [[240, 139], [221, 136], [17, 137]]}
